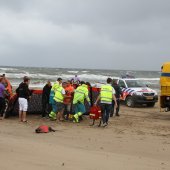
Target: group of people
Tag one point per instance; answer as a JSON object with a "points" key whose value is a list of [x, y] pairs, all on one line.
{"points": [[64, 100], [61, 97]]}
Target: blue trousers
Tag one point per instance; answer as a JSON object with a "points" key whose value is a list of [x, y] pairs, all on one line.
{"points": [[79, 107], [106, 110]]}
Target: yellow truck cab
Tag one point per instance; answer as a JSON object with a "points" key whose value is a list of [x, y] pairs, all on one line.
{"points": [[165, 86]]}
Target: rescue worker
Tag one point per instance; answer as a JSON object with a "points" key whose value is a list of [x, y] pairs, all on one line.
{"points": [[68, 99], [60, 94], [107, 94], [45, 98], [81, 93], [118, 95], [54, 88]]}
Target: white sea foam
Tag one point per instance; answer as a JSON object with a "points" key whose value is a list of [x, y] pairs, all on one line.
{"points": [[8, 69], [85, 71], [96, 78], [93, 77], [75, 72]]}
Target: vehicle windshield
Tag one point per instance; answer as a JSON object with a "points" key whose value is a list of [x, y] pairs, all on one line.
{"points": [[135, 83]]}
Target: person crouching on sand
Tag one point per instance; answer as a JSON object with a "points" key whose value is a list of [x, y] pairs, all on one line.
{"points": [[24, 95]]}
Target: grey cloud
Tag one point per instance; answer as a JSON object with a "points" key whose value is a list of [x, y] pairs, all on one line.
{"points": [[124, 34]]}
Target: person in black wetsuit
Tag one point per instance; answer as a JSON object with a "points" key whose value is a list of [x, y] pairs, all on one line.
{"points": [[118, 94], [45, 99]]}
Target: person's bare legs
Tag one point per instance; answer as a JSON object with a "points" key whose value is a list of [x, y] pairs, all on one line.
{"points": [[58, 116], [61, 115], [24, 116], [20, 116]]}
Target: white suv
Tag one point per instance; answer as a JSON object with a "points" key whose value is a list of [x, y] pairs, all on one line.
{"points": [[134, 92]]}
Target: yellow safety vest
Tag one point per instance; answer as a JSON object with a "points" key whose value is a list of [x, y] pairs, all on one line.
{"points": [[55, 86], [106, 94], [58, 95], [80, 94]]}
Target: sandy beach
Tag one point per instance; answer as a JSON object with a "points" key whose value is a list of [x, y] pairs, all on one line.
{"points": [[137, 140]]}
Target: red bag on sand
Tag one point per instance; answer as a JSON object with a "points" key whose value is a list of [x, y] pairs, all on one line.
{"points": [[44, 129], [95, 112]]}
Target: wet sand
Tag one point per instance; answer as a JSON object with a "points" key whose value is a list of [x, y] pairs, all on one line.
{"points": [[137, 140]]}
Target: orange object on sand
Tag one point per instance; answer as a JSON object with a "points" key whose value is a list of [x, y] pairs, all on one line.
{"points": [[44, 129]]}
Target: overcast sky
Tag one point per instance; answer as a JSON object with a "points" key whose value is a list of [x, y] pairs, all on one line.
{"points": [[103, 34]]}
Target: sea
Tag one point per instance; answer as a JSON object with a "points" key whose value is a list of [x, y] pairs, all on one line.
{"points": [[39, 76]]}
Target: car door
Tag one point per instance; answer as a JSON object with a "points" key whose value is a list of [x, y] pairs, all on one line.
{"points": [[122, 84]]}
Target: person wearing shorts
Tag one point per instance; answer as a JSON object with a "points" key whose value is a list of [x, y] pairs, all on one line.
{"points": [[24, 94]]}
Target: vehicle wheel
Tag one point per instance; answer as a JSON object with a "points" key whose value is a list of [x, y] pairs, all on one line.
{"points": [[150, 104], [130, 102]]}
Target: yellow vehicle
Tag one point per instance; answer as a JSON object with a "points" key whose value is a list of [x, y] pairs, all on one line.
{"points": [[165, 86]]}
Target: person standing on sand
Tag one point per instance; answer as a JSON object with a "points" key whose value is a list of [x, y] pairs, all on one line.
{"points": [[24, 95], [107, 94], [52, 102], [45, 98], [81, 93], [2, 97], [118, 95], [60, 94], [68, 99], [8, 87]]}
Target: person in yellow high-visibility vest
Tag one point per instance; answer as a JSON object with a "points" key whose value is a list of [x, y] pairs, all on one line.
{"points": [[107, 94], [80, 94], [60, 94], [54, 88]]}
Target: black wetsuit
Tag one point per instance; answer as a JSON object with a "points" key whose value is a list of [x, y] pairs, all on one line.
{"points": [[117, 95], [45, 100]]}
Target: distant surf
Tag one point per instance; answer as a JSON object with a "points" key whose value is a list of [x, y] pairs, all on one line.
{"points": [[39, 76]]}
